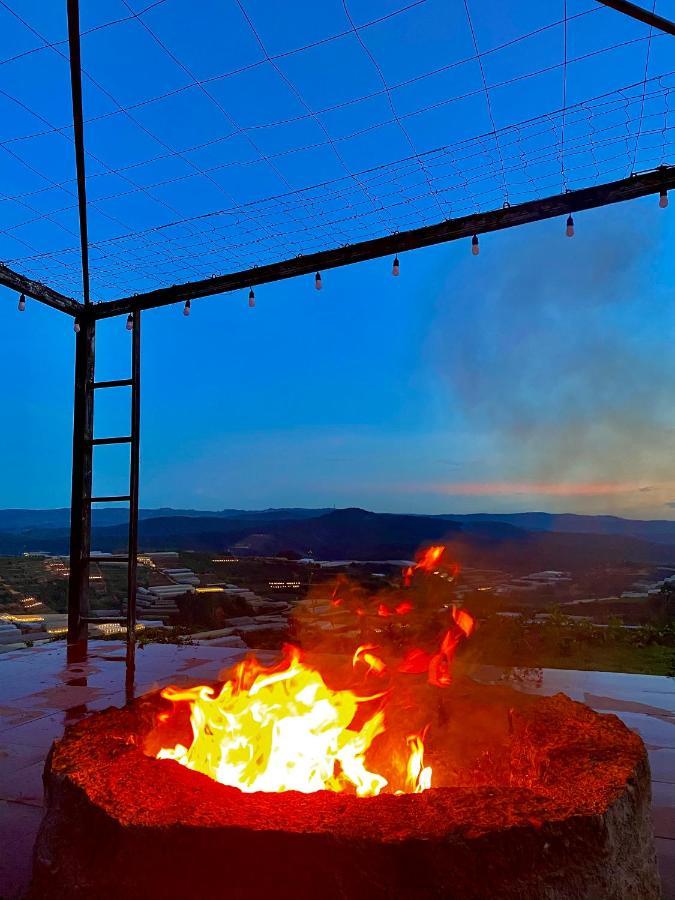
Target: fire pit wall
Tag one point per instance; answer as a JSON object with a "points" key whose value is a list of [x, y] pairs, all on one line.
{"points": [[533, 798]]}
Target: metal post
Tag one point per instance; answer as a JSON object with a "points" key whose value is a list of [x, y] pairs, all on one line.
{"points": [[134, 466], [80, 506]]}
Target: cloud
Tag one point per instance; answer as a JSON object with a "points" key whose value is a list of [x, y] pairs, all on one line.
{"points": [[558, 359]]}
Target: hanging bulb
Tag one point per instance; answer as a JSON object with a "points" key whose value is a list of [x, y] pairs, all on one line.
{"points": [[76, 326], [318, 284], [475, 246], [396, 268], [130, 322], [22, 303], [569, 230], [186, 308], [663, 198], [251, 298]]}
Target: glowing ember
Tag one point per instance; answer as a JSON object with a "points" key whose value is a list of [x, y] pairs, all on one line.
{"points": [[283, 729]]}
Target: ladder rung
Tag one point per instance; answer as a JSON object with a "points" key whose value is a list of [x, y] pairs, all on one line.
{"points": [[121, 382], [119, 499], [104, 620], [111, 558], [111, 440]]}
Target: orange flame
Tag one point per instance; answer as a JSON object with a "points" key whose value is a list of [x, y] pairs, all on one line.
{"points": [[281, 728], [373, 662], [439, 665], [427, 562]]}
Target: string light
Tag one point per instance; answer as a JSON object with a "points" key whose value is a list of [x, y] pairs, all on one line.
{"points": [[130, 322], [251, 298], [186, 308], [396, 268], [475, 246], [76, 326], [318, 284], [569, 230], [663, 198], [22, 303]]}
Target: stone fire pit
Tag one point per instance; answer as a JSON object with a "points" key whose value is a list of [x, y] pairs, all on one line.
{"points": [[532, 798]]}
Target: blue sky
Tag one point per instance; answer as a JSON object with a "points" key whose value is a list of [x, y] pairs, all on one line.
{"points": [[538, 375]]}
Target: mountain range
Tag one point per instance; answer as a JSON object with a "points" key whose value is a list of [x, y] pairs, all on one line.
{"points": [[517, 541]]}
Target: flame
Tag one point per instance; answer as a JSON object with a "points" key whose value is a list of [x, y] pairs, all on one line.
{"points": [[281, 728], [430, 557], [373, 662], [418, 777], [439, 664], [403, 608], [427, 562], [464, 620]]}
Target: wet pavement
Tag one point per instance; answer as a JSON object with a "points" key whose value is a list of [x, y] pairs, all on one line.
{"points": [[40, 694]]}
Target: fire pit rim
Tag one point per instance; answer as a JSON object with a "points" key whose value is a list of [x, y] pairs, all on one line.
{"points": [[102, 757]]}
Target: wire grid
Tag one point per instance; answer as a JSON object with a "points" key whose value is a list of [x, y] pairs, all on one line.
{"points": [[317, 136]]}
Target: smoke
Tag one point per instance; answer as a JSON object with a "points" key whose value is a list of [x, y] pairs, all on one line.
{"points": [[559, 355]]}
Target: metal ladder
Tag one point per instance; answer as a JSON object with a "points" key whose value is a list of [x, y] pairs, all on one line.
{"points": [[84, 443]]}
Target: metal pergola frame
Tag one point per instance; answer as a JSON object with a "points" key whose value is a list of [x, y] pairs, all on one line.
{"points": [[87, 314]]}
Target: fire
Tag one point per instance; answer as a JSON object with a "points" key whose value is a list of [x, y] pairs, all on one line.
{"points": [[374, 663], [418, 775], [439, 664], [281, 728], [284, 728], [427, 562]]}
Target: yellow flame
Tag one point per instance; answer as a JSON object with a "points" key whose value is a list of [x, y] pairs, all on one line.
{"points": [[283, 729]]}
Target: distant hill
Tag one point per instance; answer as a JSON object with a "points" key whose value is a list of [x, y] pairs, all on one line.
{"points": [[518, 543], [658, 530], [12, 520]]}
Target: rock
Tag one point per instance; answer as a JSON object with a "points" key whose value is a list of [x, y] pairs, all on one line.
{"points": [[538, 799]]}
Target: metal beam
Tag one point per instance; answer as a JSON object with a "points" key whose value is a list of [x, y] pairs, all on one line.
{"points": [[134, 470], [78, 131], [80, 507], [641, 185], [38, 291], [641, 14]]}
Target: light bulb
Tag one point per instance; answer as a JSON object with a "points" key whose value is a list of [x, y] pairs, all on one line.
{"points": [[22, 303], [251, 298], [569, 230], [186, 308], [396, 268], [76, 327], [475, 246], [317, 281], [130, 322], [663, 198]]}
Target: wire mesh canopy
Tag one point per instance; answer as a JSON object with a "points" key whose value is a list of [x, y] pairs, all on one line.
{"points": [[230, 134]]}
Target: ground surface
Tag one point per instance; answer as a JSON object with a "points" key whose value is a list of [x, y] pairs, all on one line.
{"points": [[40, 694]]}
